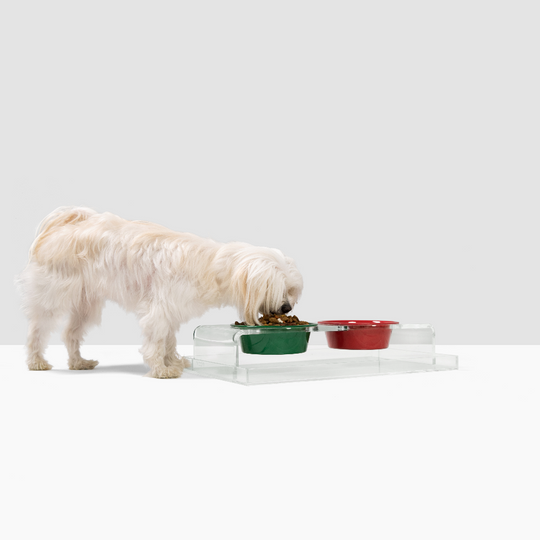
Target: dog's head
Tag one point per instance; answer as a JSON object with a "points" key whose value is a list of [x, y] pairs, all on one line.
{"points": [[264, 281]]}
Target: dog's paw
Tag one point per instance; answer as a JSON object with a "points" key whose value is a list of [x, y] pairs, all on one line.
{"points": [[165, 372], [39, 365], [80, 363], [180, 362], [186, 362]]}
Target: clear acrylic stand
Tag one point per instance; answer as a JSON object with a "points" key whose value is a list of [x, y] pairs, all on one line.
{"points": [[217, 353]]}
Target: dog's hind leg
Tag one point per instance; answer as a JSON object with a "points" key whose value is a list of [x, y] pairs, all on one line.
{"points": [[83, 315], [41, 324], [43, 309]]}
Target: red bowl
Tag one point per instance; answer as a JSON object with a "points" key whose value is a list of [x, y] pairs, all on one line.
{"points": [[366, 335]]}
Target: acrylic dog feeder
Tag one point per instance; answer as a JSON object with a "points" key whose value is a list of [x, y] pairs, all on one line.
{"points": [[218, 353]]}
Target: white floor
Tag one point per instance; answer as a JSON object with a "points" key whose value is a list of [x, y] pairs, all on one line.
{"points": [[113, 454]]}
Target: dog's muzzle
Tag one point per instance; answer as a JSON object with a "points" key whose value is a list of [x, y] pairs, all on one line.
{"points": [[285, 308]]}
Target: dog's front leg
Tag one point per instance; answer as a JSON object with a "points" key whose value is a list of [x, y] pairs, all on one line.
{"points": [[156, 349], [172, 358]]}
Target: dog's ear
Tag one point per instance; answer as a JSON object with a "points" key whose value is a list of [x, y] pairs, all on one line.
{"points": [[259, 288], [253, 294], [245, 296]]}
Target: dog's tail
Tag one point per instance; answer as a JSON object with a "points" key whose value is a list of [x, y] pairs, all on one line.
{"points": [[65, 215]]}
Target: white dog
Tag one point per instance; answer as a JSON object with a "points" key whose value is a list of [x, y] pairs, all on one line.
{"points": [[80, 259]]}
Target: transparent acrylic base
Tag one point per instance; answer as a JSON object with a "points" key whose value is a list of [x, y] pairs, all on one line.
{"points": [[218, 354]]}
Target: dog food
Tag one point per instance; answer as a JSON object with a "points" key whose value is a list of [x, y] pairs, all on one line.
{"points": [[271, 319]]}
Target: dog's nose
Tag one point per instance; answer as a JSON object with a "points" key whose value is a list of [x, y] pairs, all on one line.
{"points": [[286, 307]]}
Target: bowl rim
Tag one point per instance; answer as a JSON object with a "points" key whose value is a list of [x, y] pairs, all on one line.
{"points": [[359, 323], [244, 326]]}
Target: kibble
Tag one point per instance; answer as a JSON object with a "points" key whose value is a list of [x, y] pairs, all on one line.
{"points": [[273, 319]]}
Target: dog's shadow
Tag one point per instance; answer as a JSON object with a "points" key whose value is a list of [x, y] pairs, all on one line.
{"points": [[131, 369], [139, 370]]}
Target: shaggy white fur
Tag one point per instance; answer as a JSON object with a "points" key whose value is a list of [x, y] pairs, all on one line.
{"points": [[80, 259]]}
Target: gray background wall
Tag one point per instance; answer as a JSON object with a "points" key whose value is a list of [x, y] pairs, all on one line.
{"points": [[391, 148]]}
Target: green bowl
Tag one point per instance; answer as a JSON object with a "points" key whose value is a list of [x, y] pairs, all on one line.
{"points": [[279, 339]]}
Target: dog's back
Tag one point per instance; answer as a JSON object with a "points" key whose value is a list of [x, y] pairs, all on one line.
{"points": [[78, 238]]}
